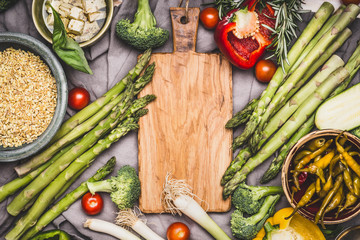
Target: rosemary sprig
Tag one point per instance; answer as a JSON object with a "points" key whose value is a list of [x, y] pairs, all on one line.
{"points": [[286, 13], [225, 6]]}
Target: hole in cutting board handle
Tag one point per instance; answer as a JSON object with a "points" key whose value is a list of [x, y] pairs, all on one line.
{"points": [[184, 33], [183, 20]]}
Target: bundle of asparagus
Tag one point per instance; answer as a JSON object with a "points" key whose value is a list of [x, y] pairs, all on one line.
{"points": [[284, 111], [45, 177]]}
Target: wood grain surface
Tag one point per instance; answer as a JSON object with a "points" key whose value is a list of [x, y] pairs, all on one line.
{"points": [[184, 132]]}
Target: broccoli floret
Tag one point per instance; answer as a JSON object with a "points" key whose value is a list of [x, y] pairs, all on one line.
{"points": [[247, 227], [250, 198], [142, 33], [124, 189]]}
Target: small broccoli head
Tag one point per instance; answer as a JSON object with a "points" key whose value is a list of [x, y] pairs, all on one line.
{"points": [[247, 227], [141, 38], [126, 187], [245, 201], [242, 227], [249, 199]]}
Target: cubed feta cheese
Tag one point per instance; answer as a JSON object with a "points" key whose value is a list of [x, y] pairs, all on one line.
{"points": [[82, 17], [101, 4], [93, 5], [96, 16], [89, 31], [76, 26], [63, 13], [77, 38], [91, 28], [75, 13], [76, 3], [65, 7]]}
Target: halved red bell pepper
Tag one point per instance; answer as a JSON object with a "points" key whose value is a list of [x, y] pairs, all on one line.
{"points": [[241, 36]]}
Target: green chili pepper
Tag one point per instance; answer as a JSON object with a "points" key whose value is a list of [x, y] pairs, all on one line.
{"points": [[315, 144], [318, 166], [305, 160], [334, 203], [52, 235], [356, 183], [317, 158], [348, 180], [350, 200], [338, 169], [329, 182], [304, 199], [329, 196], [318, 185], [348, 158], [300, 155]]}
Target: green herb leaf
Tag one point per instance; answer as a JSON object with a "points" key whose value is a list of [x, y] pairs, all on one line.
{"points": [[67, 48], [225, 6]]}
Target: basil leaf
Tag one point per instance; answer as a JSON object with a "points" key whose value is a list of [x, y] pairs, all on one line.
{"points": [[67, 48]]}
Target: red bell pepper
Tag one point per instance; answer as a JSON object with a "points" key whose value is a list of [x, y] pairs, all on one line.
{"points": [[241, 37]]}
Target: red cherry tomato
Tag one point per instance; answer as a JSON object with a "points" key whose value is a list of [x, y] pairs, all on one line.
{"points": [[178, 231], [209, 17], [78, 98], [92, 204], [347, 2], [264, 70]]}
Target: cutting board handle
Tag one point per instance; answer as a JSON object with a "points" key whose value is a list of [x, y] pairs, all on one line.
{"points": [[184, 33]]}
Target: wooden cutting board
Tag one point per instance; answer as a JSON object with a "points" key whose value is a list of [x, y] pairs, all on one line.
{"points": [[184, 132]]}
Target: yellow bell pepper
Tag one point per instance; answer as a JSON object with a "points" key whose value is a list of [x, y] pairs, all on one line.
{"points": [[296, 225]]}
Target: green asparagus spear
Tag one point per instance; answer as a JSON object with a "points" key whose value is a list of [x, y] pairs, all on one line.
{"points": [[288, 129], [141, 82], [329, 23], [84, 127], [236, 165], [69, 199], [346, 83], [91, 109], [329, 51], [354, 61], [258, 140], [18, 183], [308, 125], [243, 115], [68, 184], [344, 35], [61, 191], [53, 170], [277, 162], [313, 57], [46, 196], [339, 41], [311, 29]]}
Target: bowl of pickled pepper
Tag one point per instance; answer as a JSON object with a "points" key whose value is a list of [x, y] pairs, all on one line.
{"points": [[321, 176]]}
